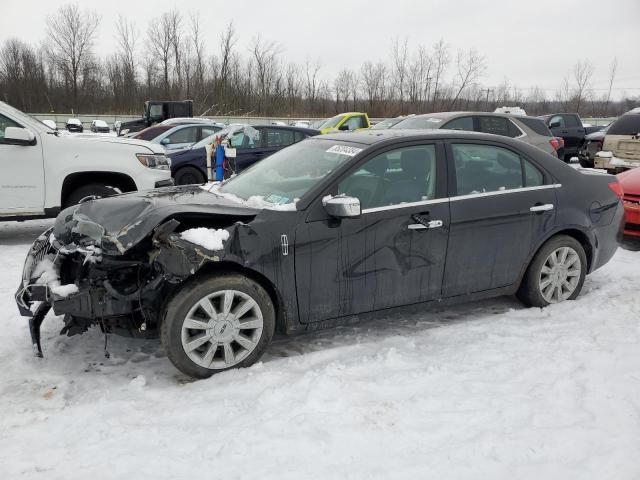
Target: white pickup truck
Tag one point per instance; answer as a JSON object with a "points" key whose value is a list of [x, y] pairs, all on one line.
{"points": [[42, 172]]}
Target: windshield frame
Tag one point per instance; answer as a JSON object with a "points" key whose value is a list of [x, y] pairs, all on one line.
{"points": [[332, 122]]}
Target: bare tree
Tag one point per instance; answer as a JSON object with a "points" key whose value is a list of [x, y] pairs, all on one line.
{"points": [[441, 60], [71, 35], [612, 76], [399, 58], [582, 73], [159, 42], [311, 83], [470, 66]]}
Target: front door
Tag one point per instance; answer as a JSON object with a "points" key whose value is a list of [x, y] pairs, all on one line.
{"points": [[501, 206], [21, 175], [393, 254]]}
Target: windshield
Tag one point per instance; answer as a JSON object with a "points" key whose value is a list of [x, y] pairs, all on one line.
{"points": [[419, 122], [384, 124], [224, 132], [331, 123], [287, 175]]}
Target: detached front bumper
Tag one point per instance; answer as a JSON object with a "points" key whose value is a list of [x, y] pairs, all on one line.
{"points": [[29, 291]]}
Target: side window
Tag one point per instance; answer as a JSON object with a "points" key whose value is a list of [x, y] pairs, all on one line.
{"points": [[208, 131], [514, 131], [557, 118], [485, 168], [571, 121], [241, 140], [279, 137], [532, 176], [355, 122], [399, 176], [185, 135], [299, 136], [4, 123], [495, 125], [462, 123]]}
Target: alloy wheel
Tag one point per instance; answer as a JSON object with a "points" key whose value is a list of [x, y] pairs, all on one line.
{"points": [[560, 275], [222, 329]]}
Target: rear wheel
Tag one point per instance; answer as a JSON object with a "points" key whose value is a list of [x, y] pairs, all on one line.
{"points": [[189, 176], [217, 323], [95, 190], [556, 273]]}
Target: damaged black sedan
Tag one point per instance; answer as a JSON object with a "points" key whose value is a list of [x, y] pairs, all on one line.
{"points": [[327, 231]]}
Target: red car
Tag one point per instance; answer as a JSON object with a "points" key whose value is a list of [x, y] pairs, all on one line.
{"points": [[630, 182]]}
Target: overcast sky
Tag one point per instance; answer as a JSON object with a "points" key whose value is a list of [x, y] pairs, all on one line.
{"points": [[530, 43]]}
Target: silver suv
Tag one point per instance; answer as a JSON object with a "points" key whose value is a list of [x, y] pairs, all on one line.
{"points": [[528, 129]]}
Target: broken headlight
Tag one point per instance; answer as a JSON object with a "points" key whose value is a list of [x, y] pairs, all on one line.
{"points": [[158, 161]]}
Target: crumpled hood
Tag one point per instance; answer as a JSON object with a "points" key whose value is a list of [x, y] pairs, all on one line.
{"points": [[116, 224]]}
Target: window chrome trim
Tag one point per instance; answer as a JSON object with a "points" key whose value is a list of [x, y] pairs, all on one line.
{"points": [[406, 205], [502, 192], [461, 197]]}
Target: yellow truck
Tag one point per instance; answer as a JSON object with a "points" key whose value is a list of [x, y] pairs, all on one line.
{"points": [[346, 122]]}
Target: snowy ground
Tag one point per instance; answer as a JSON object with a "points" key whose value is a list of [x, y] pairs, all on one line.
{"points": [[484, 390]]}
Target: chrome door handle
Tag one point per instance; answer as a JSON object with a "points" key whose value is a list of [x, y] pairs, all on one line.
{"points": [[429, 224], [542, 208]]}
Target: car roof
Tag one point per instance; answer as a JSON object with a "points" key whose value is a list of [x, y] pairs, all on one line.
{"points": [[371, 137]]}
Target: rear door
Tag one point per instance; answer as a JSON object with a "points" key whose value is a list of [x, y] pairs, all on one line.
{"points": [[390, 256], [21, 174], [502, 204], [575, 132]]}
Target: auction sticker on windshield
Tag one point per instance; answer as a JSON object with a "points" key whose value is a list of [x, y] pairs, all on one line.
{"points": [[345, 150]]}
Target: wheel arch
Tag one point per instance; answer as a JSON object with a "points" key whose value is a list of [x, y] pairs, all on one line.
{"points": [[114, 179], [226, 267], [574, 232]]}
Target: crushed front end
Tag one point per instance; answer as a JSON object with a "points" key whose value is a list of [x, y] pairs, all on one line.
{"points": [[118, 279]]}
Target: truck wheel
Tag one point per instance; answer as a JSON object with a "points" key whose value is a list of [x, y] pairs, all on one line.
{"points": [[555, 274], [189, 176], [217, 323], [91, 190]]}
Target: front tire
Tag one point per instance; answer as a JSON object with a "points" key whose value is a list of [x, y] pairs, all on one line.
{"points": [[189, 176], [217, 323], [555, 274]]}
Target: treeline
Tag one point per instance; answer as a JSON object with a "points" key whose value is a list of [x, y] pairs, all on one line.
{"points": [[171, 61]]}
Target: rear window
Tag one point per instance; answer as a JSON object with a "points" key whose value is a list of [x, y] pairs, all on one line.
{"points": [[537, 125], [628, 124]]}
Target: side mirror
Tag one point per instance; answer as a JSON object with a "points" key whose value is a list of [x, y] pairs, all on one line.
{"points": [[18, 136], [342, 207], [555, 124], [165, 141], [344, 127]]}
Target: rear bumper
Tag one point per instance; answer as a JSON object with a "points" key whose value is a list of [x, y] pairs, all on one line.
{"points": [[615, 163], [607, 239]]}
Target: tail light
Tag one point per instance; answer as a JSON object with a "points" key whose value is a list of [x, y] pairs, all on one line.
{"points": [[556, 143], [617, 189]]}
